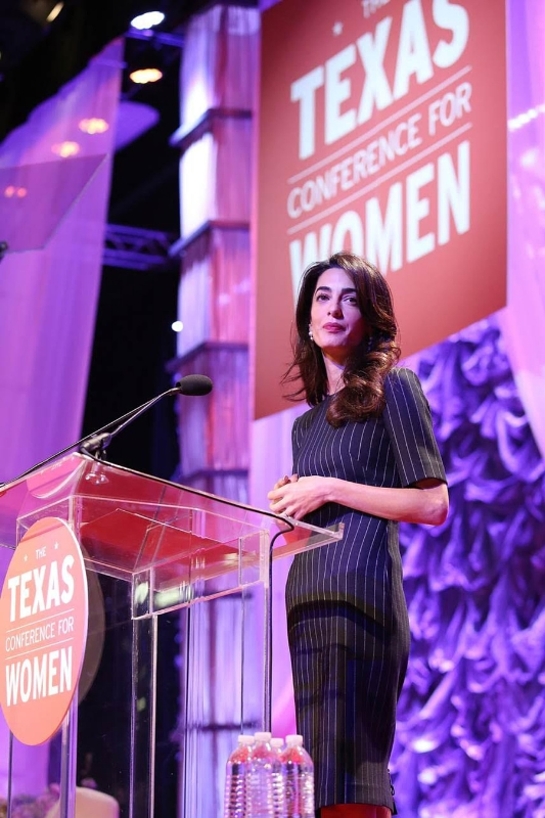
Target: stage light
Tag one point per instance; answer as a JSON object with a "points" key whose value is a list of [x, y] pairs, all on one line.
{"points": [[142, 76], [42, 12], [54, 13], [23, 24], [65, 149], [93, 125], [11, 190], [177, 326], [147, 20]]}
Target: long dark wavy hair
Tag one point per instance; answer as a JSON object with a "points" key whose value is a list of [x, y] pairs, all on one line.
{"points": [[368, 364]]}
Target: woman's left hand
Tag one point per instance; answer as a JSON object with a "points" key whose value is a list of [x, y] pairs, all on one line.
{"points": [[298, 498]]}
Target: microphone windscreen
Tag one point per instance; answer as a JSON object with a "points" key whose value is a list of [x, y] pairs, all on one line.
{"points": [[194, 385]]}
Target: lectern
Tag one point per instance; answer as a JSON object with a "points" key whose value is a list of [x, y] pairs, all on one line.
{"points": [[161, 548]]}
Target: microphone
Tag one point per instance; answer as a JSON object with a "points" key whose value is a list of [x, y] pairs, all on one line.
{"points": [[194, 385], [96, 442]]}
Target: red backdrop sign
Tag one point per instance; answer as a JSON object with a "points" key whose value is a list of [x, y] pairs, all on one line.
{"points": [[382, 130]]}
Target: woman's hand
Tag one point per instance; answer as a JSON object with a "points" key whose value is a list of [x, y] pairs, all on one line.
{"points": [[283, 481], [426, 502], [298, 496]]}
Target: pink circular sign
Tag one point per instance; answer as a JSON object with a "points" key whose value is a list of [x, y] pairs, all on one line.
{"points": [[43, 630]]}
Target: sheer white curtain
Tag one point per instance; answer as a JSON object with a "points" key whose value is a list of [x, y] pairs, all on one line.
{"points": [[52, 214], [219, 66], [218, 78], [49, 291]]}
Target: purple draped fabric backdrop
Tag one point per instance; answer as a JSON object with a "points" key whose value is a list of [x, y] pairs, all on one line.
{"points": [[471, 718]]}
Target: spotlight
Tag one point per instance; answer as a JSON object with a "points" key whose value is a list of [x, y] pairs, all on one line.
{"points": [[147, 20], [54, 13], [23, 23], [141, 76], [145, 64], [42, 12]]}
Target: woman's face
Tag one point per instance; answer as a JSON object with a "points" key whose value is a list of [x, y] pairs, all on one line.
{"points": [[336, 322]]}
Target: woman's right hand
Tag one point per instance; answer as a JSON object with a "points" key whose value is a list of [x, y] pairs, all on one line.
{"points": [[284, 481], [296, 497]]}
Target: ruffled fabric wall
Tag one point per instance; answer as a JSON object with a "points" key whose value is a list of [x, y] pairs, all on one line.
{"points": [[471, 717], [54, 188]]}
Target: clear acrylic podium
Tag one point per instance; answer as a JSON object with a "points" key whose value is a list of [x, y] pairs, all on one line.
{"points": [[161, 548]]}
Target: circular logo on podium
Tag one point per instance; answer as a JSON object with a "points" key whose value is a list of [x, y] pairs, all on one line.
{"points": [[43, 630]]}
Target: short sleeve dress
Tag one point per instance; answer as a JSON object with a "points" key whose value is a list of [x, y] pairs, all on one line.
{"points": [[348, 626]]}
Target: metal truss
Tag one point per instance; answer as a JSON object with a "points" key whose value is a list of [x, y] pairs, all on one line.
{"points": [[135, 248]]}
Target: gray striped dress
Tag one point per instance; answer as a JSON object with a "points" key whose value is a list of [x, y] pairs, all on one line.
{"points": [[348, 627]]}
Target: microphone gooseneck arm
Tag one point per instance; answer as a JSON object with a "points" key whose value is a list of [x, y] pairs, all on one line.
{"points": [[100, 438], [97, 442]]}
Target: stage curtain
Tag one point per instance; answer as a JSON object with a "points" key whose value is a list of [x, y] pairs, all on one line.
{"points": [[215, 289], [48, 293], [52, 214], [217, 83], [523, 321], [219, 66]]}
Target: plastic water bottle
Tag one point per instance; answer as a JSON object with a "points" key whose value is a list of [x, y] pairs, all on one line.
{"points": [[261, 800], [278, 778], [299, 772], [236, 779]]}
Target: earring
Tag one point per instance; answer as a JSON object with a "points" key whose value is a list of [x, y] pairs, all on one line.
{"points": [[310, 335]]}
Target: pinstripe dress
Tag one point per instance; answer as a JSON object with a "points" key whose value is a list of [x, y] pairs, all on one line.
{"points": [[348, 627]]}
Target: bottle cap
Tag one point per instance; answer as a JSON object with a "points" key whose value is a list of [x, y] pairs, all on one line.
{"points": [[277, 742], [294, 741], [263, 736], [248, 740]]}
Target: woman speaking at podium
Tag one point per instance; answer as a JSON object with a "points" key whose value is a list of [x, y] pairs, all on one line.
{"points": [[364, 455]]}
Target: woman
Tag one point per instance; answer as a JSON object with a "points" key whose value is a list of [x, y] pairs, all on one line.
{"points": [[364, 455]]}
